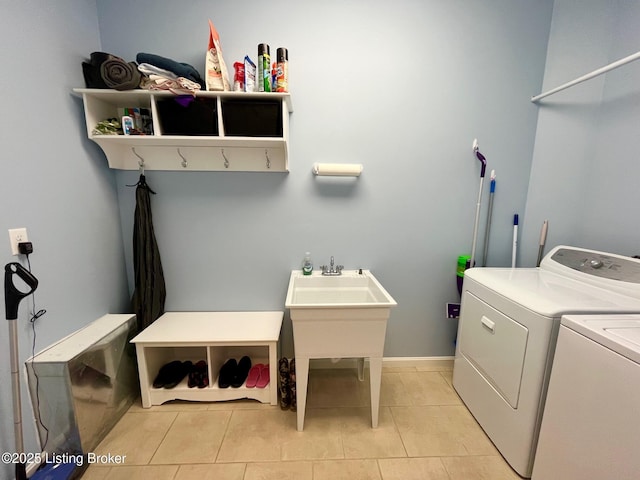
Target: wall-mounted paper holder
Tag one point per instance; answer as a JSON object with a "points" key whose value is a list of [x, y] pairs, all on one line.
{"points": [[337, 169]]}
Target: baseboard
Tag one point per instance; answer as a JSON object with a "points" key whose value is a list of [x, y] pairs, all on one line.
{"points": [[428, 363]]}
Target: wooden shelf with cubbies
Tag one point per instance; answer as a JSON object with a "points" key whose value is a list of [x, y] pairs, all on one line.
{"points": [[213, 131]]}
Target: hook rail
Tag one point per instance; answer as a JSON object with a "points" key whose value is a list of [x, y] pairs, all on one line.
{"points": [[140, 162], [226, 160], [184, 162]]}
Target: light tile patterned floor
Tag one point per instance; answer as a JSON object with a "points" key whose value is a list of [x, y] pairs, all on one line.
{"points": [[424, 433]]}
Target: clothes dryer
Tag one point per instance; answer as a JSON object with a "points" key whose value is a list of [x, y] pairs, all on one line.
{"points": [[507, 333], [590, 426]]}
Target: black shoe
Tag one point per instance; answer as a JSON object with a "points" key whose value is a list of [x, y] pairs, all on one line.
{"points": [[199, 377], [241, 373], [178, 374], [167, 373], [285, 392], [227, 372]]}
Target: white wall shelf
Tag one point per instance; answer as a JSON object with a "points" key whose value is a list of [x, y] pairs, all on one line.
{"points": [[220, 151]]}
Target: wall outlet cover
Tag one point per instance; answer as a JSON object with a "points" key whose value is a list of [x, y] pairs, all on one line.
{"points": [[16, 236], [453, 310]]}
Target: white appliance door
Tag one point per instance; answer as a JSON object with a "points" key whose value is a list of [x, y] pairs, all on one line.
{"points": [[590, 427], [495, 345]]}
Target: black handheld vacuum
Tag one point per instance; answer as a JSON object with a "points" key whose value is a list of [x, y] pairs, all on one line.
{"points": [[12, 298]]}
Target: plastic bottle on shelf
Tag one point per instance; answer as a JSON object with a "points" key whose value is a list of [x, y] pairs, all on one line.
{"points": [[127, 123], [307, 264]]}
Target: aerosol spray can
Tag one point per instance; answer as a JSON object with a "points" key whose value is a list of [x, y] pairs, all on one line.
{"points": [[282, 68], [264, 68]]}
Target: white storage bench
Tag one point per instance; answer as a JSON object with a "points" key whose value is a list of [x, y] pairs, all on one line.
{"points": [[213, 337]]}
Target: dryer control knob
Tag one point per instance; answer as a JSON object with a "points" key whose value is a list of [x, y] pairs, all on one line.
{"points": [[596, 263]]}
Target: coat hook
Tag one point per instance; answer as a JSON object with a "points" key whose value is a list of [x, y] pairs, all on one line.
{"points": [[184, 160], [266, 154], [140, 162], [226, 160]]}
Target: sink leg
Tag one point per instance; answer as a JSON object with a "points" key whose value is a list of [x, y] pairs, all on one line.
{"points": [[375, 377], [361, 369], [302, 380]]}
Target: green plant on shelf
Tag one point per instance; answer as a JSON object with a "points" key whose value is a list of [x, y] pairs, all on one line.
{"points": [[110, 126]]}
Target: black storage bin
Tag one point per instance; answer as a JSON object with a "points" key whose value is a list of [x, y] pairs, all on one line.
{"points": [[188, 116], [255, 118]]}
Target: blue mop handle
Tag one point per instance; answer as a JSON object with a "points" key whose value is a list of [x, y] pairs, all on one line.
{"points": [[492, 190]]}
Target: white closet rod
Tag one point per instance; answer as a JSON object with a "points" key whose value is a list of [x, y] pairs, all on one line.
{"points": [[589, 76]]}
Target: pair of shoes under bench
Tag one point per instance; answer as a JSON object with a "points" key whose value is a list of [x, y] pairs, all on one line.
{"points": [[172, 374], [259, 376], [198, 376], [234, 373]]}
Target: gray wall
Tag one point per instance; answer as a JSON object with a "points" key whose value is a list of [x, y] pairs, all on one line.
{"points": [[402, 87], [54, 182], [584, 177]]}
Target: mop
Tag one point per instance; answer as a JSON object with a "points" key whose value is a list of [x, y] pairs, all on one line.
{"points": [[464, 261], [12, 298], [475, 226]]}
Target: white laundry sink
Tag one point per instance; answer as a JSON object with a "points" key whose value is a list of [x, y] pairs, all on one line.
{"points": [[341, 316], [352, 289]]}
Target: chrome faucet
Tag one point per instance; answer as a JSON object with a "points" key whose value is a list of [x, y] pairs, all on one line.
{"points": [[333, 269]]}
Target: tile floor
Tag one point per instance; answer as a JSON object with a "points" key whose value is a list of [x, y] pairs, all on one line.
{"points": [[424, 433]]}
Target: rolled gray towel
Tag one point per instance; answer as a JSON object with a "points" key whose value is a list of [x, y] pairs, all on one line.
{"points": [[119, 74]]}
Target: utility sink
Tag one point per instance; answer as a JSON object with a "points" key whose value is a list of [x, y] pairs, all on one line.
{"points": [[342, 316], [349, 290]]}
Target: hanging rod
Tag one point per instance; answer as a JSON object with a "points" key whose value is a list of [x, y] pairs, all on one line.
{"points": [[588, 76]]}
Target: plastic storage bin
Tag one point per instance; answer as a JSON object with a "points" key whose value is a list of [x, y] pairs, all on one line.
{"points": [[253, 118], [188, 116]]}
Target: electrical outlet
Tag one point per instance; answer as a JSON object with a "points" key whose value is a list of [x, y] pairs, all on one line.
{"points": [[17, 235], [453, 310]]}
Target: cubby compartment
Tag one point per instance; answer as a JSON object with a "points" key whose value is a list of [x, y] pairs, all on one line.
{"points": [[252, 118], [188, 115], [157, 357], [104, 105], [219, 355]]}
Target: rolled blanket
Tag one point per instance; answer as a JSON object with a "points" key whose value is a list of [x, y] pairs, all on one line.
{"points": [[104, 70], [119, 74]]}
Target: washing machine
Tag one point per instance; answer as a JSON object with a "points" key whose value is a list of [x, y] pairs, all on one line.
{"points": [[507, 332], [590, 426]]}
